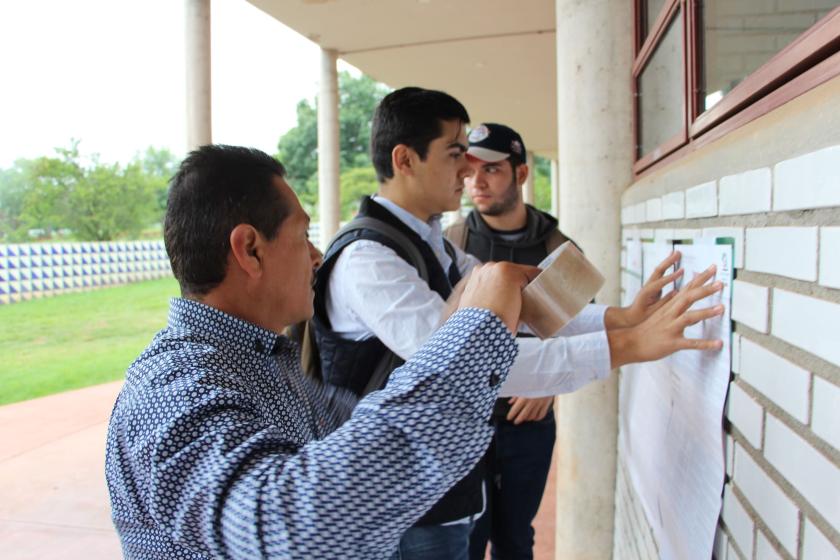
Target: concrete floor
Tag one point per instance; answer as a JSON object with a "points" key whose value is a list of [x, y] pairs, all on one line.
{"points": [[53, 498]]}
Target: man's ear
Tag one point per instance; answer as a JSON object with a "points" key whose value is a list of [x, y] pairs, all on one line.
{"points": [[402, 159], [521, 173], [246, 247]]}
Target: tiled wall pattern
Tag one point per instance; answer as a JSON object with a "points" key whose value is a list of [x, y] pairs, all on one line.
{"points": [[782, 494], [44, 269]]}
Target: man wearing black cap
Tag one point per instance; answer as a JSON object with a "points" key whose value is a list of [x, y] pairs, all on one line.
{"points": [[503, 228]]}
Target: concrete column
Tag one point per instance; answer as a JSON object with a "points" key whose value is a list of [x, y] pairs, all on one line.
{"points": [[199, 102], [555, 189], [329, 196], [528, 193], [595, 158]]}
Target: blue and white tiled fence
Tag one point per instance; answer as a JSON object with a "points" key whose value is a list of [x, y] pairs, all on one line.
{"points": [[44, 269]]}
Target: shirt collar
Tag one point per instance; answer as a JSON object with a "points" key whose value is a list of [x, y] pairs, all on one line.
{"points": [[426, 230], [431, 232], [196, 317]]}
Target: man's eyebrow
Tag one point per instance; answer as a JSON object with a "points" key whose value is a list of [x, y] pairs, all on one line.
{"points": [[461, 147]]}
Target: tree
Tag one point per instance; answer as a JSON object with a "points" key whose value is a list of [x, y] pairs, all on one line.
{"points": [[13, 186], [159, 165], [82, 196], [356, 183], [298, 148], [542, 183], [111, 201]]}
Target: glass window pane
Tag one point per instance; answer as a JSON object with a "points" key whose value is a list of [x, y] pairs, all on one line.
{"points": [[739, 36], [661, 96], [651, 11]]}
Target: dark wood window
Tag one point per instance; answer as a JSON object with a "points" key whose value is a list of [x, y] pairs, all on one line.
{"points": [[705, 67]]}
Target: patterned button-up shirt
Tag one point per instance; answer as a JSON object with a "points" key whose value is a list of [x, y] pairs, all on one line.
{"points": [[219, 447]]}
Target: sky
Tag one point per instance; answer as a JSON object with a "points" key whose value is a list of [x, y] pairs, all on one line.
{"points": [[110, 73]]}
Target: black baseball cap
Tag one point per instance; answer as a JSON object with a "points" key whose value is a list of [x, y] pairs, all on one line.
{"points": [[493, 142]]}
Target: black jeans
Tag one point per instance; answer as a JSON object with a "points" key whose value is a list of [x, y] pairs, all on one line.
{"points": [[518, 461]]}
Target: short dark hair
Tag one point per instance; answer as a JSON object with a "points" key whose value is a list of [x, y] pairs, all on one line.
{"points": [[412, 116], [216, 188]]}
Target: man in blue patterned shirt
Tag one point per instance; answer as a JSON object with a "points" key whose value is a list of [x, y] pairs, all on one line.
{"points": [[218, 446]]}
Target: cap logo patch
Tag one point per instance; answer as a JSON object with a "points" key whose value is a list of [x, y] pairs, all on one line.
{"points": [[516, 147], [479, 133]]}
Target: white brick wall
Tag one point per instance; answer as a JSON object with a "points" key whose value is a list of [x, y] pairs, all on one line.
{"points": [[809, 323], [806, 468], [808, 181], [825, 419], [701, 201], [738, 522], [746, 193], [786, 251], [783, 382], [750, 305], [830, 257], [729, 454], [777, 510], [745, 414], [816, 546], [735, 348], [673, 206], [639, 213], [806, 248], [653, 210]]}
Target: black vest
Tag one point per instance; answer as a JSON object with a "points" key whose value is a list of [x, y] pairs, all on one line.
{"points": [[349, 364]]}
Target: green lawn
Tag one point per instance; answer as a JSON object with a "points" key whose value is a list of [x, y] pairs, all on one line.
{"points": [[75, 340]]}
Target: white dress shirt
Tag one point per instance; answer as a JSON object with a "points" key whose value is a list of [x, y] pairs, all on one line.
{"points": [[374, 292]]}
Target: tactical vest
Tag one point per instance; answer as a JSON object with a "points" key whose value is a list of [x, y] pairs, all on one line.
{"points": [[349, 363]]}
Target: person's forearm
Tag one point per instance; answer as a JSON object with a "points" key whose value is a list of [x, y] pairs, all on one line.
{"points": [[557, 365], [363, 485], [590, 319], [616, 318]]}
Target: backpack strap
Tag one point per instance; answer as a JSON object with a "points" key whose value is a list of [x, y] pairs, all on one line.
{"points": [[392, 233], [389, 361], [457, 234]]}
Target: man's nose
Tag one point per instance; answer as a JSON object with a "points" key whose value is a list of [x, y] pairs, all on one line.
{"points": [[315, 255], [477, 180]]}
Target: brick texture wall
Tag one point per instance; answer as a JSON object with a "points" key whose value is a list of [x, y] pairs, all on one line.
{"points": [[782, 419]]}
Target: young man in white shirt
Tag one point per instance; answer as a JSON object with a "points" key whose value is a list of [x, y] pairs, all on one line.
{"points": [[370, 300]]}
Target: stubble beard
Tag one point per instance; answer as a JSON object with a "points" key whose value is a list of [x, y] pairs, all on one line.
{"points": [[508, 202]]}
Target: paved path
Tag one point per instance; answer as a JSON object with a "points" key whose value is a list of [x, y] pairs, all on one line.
{"points": [[53, 498]]}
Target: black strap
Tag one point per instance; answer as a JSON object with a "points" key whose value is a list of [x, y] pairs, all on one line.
{"points": [[392, 233], [389, 361]]}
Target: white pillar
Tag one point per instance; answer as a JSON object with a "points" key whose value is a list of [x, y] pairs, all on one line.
{"points": [[329, 197], [555, 189], [528, 194], [199, 102], [595, 158]]}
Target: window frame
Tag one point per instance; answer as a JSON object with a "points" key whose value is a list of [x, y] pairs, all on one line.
{"points": [[672, 12], [811, 59]]}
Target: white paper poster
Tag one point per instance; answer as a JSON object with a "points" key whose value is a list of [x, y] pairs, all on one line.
{"points": [[672, 410]]}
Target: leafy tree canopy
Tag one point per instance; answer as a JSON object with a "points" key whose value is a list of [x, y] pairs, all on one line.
{"points": [[298, 148], [68, 195]]}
